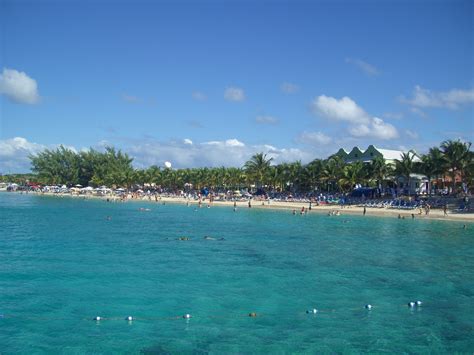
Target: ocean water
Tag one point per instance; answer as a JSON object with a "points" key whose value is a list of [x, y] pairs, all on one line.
{"points": [[62, 262]]}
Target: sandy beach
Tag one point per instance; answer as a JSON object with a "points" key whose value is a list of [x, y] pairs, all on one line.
{"points": [[435, 214]]}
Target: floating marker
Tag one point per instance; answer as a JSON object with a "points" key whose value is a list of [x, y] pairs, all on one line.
{"points": [[187, 316], [97, 318], [411, 304], [129, 318], [419, 303], [312, 311], [368, 307]]}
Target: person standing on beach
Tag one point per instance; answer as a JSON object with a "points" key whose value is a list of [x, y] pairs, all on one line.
{"points": [[445, 209], [365, 210]]}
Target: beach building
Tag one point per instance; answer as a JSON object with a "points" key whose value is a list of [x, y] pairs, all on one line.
{"points": [[366, 156], [418, 184]]}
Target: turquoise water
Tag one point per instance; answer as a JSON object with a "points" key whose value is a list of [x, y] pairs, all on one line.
{"points": [[62, 262]]}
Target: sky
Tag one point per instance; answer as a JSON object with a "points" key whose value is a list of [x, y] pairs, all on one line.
{"points": [[210, 83]]}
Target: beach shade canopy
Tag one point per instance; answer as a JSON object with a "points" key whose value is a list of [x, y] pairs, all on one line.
{"points": [[364, 191], [88, 188], [120, 189], [78, 185]]}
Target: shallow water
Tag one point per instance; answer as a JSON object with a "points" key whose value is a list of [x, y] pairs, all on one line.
{"points": [[62, 262]]}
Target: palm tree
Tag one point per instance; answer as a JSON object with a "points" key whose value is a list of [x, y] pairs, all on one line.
{"points": [[457, 155], [332, 171], [379, 171], [469, 169], [257, 167], [313, 173], [431, 165], [352, 174], [294, 175], [405, 166]]}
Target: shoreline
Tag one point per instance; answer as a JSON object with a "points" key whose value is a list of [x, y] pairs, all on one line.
{"points": [[434, 214]]}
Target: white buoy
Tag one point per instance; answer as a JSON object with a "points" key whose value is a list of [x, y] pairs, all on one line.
{"points": [[368, 307], [411, 304], [129, 318], [419, 303], [312, 311], [97, 318], [187, 316]]}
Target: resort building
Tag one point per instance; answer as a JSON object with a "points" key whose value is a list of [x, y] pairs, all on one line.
{"points": [[418, 184], [366, 156]]}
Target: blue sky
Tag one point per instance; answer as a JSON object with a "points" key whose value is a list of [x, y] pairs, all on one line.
{"points": [[212, 82]]}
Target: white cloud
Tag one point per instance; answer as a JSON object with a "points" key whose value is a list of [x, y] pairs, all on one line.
{"points": [[230, 152], [199, 96], [393, 115], [234, 94], [227, 143], [344, 109], [270, 120], [418, 112], [411, 134], [289, 88], [314, 138], [14, 154], [188, 141], [18, 87], [452, 99], [347, 110], [376, 128], [367, 68], [132, 99]]}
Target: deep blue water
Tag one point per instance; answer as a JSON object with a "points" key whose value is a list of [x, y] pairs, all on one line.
{"points": [[62, 262]]}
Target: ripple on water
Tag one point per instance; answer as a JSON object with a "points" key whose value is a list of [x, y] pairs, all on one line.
{"points": [[63, 263]]}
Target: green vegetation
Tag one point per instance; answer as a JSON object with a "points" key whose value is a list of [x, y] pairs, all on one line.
{"points": [[112, 168]]}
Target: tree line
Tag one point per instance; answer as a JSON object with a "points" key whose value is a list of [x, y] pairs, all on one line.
{"points": [[113, 168]]}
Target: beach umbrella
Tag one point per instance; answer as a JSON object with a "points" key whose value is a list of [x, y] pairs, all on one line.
{"points": [[78, 185]]}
